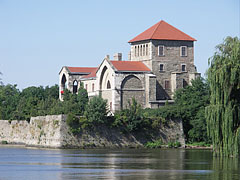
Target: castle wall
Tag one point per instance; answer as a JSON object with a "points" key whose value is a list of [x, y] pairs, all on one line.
{"points": [[53, 132]]}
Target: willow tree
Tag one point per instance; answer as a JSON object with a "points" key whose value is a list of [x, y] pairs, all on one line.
{"points": [[223, 113]]}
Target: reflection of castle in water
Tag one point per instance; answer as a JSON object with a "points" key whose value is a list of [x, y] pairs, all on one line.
{"points": [[125, 164], [161, 60]]}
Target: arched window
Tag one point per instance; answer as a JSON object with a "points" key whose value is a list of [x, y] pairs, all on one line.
{"points": [[75, 86], [63, 82], [135, 52], [108, 85], [92, 87], [146, 49], [141, 50]]}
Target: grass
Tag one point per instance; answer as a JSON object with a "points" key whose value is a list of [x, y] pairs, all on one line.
{"points": [[199, 144]]}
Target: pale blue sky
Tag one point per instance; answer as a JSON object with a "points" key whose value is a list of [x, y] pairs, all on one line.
{"points": [[38, 37]]}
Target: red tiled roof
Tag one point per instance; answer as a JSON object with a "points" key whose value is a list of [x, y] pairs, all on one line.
{"points": [[162, 31], [92, 74], [130, 66], [81, 69]]}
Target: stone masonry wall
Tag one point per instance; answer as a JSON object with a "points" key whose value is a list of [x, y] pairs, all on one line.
{"points": [[53, 132]]}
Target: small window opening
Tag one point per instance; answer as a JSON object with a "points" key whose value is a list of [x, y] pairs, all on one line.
{"points": [[75, 86], [92, 87], [161, 50], [146, 49], [183, 51], [108, 85], [86, 86], [161, 67], [167, 84], [183, 68]]}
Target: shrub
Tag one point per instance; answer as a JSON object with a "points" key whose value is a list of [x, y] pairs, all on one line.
{"points": [[132, 118], [175, 144], [155, 144], [96, 110]]}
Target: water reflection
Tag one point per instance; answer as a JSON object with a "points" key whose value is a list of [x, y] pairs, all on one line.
{"points": [[226, 168], [172, 164]]}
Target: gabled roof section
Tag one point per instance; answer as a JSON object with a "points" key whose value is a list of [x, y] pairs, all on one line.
{"points": [[81, 70], [162, 31], [127, 66], [91, 75]]}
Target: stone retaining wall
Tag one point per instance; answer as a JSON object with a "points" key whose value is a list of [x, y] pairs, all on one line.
{"points": [[52, 132]]}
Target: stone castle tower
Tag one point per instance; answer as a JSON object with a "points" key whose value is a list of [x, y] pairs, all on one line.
{"points": [[161, 60]]}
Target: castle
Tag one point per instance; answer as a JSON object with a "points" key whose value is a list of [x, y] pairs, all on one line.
{"points": [[161, 60]]}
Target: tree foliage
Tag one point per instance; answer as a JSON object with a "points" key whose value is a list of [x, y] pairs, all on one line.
{"points": [[223, 113], [190, 103], [97, 110], [131, 118], [39, 101]]}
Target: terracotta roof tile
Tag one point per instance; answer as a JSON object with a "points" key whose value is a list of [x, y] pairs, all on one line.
{"points": [[162, 31], [85, 70], [91, 75], [130, 66]]}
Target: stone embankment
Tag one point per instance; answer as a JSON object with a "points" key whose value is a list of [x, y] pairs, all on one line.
{"points": [[53, 132]]}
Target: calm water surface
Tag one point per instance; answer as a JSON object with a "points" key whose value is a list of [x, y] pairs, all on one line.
{"points": [[27, 163]]}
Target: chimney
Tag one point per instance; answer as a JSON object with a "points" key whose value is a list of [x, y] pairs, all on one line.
{"points": [[107, 57], [117, 57]]}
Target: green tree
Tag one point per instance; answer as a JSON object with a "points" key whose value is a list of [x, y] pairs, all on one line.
{"points": [[131, 118], [191, 102], [97, 110], [82, 98], [223, 113], [9, 98]]}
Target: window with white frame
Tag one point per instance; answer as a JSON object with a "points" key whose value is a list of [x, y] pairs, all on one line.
{"points": [[161, 67], [160, 50], [183, 51]]}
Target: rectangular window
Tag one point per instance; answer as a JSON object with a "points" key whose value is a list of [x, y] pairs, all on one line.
{"points": [[160, 50], [167, 84], [183, 51], [183, 67], [161, 67], [92, 87], [86, 86]]}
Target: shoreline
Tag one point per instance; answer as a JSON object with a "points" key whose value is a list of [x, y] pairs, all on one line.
{"points": [[57, 148]]}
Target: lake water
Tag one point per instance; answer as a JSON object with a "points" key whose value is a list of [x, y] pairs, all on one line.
{"points": [[167, 164]]}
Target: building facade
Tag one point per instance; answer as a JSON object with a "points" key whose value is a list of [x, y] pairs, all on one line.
{"points": [[161, 60]]}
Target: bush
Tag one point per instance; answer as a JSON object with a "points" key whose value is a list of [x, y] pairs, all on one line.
{"points": [[96, 110], [175, 144], [132, 118], [155, 144]]}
